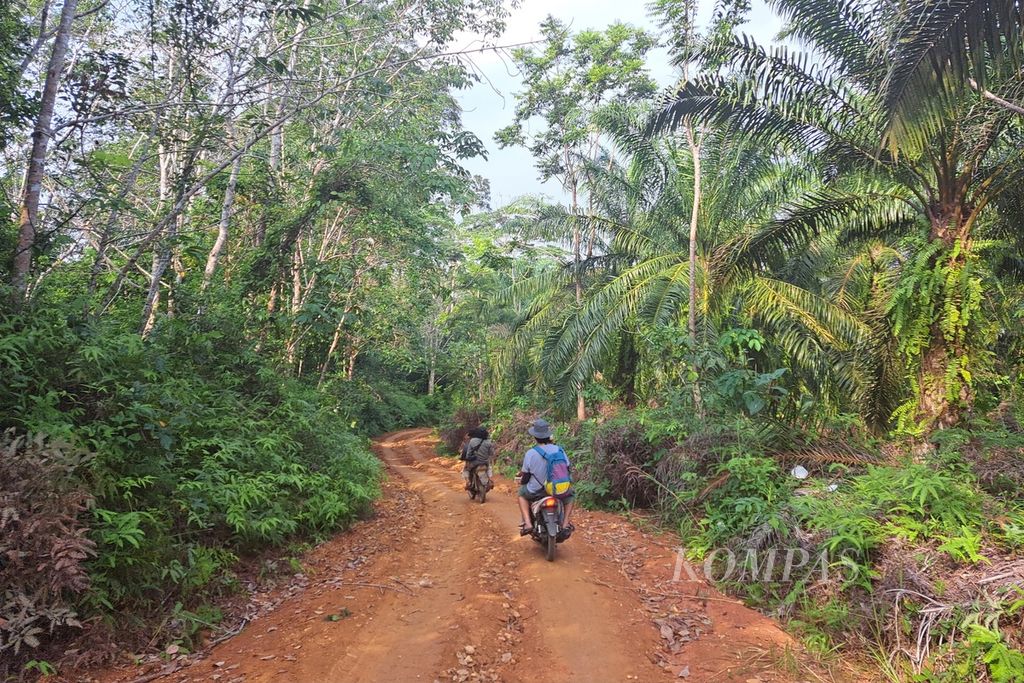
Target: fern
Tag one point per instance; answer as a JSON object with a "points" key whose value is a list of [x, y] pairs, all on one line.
{"points": [[1005, 665]]}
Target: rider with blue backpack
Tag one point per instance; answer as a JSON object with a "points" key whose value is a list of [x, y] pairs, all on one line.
{"points": [[545, 472]]}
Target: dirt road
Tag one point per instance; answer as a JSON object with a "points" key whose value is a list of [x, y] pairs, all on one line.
{"points": [[440, 588]]}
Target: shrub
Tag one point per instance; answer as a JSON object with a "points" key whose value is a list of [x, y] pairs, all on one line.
{"points": [[994, 453], [43, 541], [454, 429], [374, 407], [626, 459], [202, 453]]}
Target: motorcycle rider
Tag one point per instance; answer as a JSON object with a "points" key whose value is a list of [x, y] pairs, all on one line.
{"points": [[534, 474], [477, 451]]}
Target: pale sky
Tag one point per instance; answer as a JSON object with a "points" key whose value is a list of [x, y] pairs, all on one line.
{"points": [[489, 105]]}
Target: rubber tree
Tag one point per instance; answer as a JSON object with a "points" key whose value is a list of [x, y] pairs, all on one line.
{"points": [[35, 172]]}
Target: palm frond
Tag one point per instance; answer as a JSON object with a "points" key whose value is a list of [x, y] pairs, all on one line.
{"points": [[792, 75], [739, 108], [840, 31], [573, 351], [780, 304], [940, 50], [866, 210]]}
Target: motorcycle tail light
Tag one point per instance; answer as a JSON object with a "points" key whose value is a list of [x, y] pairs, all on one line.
{"points": [[550, 503]]}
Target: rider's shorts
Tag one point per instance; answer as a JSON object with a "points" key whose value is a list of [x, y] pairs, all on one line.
{"points": [[532, 496]]}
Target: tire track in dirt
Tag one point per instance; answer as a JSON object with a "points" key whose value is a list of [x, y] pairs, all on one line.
{"points": [[440, 588], [579, 629], [415, 635]]}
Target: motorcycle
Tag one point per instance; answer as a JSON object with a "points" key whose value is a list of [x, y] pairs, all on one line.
{"points": [[479, 483], [546, 524]]}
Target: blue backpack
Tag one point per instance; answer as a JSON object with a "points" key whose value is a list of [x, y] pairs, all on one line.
{"points": [[559, 483]]}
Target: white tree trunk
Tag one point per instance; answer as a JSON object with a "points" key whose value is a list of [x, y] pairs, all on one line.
{"points": [[36, 171], [691, 322], [224, 225], [167, 164], [277, 134]]}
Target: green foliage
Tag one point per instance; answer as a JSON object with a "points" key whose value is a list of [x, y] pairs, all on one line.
{"points": [[965, 547], [15, 105], [854, 264], [372, 406], [984, 649], [915, 502], [941, 289], [1005, 665], [193, 622], [201, 453], [933, 195], [817, 623], [750, 500], [42, 666], [566, 78]]}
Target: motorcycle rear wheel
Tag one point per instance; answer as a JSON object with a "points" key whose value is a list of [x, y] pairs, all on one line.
{"points": [[550, 554]]}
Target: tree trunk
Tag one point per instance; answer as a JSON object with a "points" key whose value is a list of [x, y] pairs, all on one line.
{"points": [[168, 167], [161, 260], [296, 304], [336, 338], [36, 171], [103, 241], [353, 352], [224, 224], [691, 322], [165, 167], [481, 375], [581, 406], [276, 157], [934, 408]]}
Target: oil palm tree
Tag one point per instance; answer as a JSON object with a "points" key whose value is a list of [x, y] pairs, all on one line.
{"points": [[950, 48], [831, 107], [640, 279]]}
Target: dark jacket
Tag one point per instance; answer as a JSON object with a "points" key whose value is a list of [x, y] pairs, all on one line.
{"points": [[477, 452]]}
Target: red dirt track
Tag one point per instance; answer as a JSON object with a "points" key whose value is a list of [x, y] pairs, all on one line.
{"points": [[436, 587]]}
